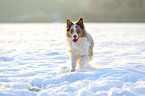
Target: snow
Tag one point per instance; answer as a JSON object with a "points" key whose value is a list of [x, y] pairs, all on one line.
{"points": [[34, 61]]}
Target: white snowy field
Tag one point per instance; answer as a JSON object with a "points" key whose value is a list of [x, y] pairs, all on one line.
{"points": [[34, 61]]}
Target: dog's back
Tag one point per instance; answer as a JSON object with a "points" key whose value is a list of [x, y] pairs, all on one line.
{"points": [[90, 39]]}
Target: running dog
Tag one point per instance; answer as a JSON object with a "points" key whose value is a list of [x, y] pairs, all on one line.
{"points": [[80, 43]]}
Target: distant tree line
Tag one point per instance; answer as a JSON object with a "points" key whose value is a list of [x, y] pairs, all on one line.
{"points": [[58, 10]]}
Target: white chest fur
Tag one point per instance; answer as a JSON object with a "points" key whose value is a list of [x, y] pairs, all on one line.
{"points": [[79, 48]]}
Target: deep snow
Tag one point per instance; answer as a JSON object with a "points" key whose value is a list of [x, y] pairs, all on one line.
{"points": [[34, 61]]}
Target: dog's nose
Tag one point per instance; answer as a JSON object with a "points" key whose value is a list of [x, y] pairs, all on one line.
{"points": [[75, 36]]}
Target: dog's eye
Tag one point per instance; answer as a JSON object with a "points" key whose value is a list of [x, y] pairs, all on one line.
{"points": [[78, 31], [72, 30]]}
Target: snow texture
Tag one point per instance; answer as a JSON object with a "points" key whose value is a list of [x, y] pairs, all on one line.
{"points": [[34, 61]]}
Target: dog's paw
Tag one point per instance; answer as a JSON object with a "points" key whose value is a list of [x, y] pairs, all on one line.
{"points": [[72, 70]]}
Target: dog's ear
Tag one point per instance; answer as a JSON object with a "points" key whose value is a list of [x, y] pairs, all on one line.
{"points": [[69, 23], [80, 22]]}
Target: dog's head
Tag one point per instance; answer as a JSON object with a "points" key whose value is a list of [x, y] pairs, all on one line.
{"points": [[75, 30]]}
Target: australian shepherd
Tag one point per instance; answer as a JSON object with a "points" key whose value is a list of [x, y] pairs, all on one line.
{"points": [[80, 43]]}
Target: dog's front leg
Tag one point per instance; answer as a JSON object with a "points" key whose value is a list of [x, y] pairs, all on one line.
{"points": [[84, 60], [73, 63]]}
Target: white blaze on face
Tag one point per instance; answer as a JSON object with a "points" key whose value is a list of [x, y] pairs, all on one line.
{"points": [[75, 33]]}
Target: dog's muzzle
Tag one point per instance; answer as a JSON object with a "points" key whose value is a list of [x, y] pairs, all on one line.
{"points": [[75, 38]]}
